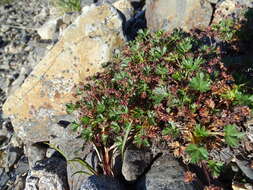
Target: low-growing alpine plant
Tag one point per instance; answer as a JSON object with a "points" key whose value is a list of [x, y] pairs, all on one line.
{"points": [[170, 87]]}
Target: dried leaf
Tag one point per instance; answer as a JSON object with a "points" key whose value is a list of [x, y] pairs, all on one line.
{"points": [[189, 177]]}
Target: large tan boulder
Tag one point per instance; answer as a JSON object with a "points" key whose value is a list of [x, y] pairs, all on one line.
{"points": [[38, 105], [185, 14], [83, 47]]}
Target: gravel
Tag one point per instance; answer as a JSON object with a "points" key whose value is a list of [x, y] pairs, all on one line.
{"points": [[20, 50]]}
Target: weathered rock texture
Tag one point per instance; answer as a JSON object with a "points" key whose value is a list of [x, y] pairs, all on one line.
{"points": [[233, 9], [102, 183], [170, 14], [165, 173], [125, 7], [135, 162], [84, 46], [49, 174]]}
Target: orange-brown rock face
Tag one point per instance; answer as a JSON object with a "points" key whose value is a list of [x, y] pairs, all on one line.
{"points": [[84, 46], [171, 14]]}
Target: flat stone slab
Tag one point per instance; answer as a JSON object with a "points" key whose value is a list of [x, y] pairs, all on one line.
{"points": [[83, 47]]}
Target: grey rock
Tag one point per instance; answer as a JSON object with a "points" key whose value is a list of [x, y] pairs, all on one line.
{"points": [[17, 83], [135, 162], [4, 178], [185, 14], [4, 28], [1, 171], [86, 2], [231, 9], [4, 135], [213, 1], [244, 167], [22, 166], [89, 2], [125, 7], [165, 173], [102, 183], [72, 147], [35, 152], [49, 30], [48, 174], [19, 184], [10, 157]]}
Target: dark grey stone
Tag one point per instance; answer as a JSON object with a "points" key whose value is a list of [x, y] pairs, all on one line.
{"points": [[4, 178], [35, 152], [22, 166], [13, 155], [135, 162], [48, 174], [165, 174], [102, 183]]}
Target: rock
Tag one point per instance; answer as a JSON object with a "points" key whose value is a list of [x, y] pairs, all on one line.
{"points": [[165, 173], [213, 1], [4, 135], [135, 24], [86, 2], [22, 166], [135, 162], [9, 157], [4, 28], [69, 18], [13, 155], [17, 83], [19, 183], [72, 147], [84, 46], [35, 153], [75, 181], [125, 7], [185, 14], [48, 174], [48, 30], [4, 178], [102, 183], [230, 9], [245, 168]]}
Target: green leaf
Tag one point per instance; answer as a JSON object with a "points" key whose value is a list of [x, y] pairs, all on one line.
{"points": [[70, 108], [100, 107], [178, 75], [115, 127], [104, 138], [128, 128], [151, 117], [84, 164], [159, 94], [87, 133], [190, 64], [74, 126], [170, 129], [120, 76], [82, 172], [201, 131], [161, 70], [57, 149], [185, 45], [85, 120], [199, 83], [197, 153], [232, 135], [215, 167]]}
